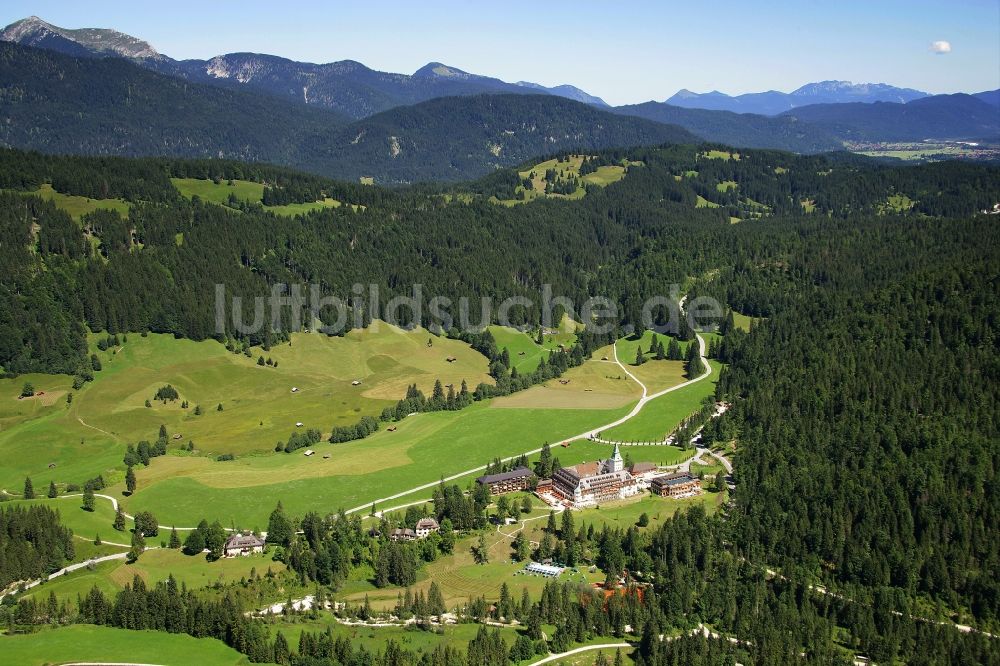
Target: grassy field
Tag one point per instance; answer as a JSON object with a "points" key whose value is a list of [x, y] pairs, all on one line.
{"points": [[593, 385], [705, 203], [88, 643], [656, 375], [76, 206], [727, 185], [743, 321], [183, 490], [89, 436], [720, 155], [218, 193], [154, 566], [525, 352], [663, 414], [566, 170], [85, 524], [897, 203]]}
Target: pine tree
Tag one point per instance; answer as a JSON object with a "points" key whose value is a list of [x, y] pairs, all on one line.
{"points": [[88, 497], [175, 540], [29, 489], [53, 492], [119, 523], [130, 480], [282, 654], [639, 358], [97, 539]]}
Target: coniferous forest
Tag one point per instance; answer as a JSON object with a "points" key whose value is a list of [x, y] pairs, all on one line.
{"points": [[866, 402]]}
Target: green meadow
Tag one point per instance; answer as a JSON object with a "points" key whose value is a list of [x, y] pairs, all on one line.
{"points": [[656, 375], [566, 170], [76, 206], [153, 566], [661, 415], [88, 643], [423, 448], [244, 190], [89, 435]]}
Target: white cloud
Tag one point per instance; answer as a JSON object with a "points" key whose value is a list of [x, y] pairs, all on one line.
{"points": [[941, 47]]}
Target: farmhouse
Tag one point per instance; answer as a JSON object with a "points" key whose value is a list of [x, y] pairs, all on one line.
{"points": [[507, 482], [588, 484], [243, 544], [681, 484], [425, 526], [402, 534]]}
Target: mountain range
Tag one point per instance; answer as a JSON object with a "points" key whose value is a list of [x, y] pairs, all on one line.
{"points": [[774, 102], [99, 91]]}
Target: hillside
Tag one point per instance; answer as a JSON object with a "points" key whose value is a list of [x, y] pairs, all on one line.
{"points": [[454, 138], [734, 129], [60, 104], [939, 117], [109, 106]]}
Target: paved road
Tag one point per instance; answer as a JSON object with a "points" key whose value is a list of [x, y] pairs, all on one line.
{"points": [[646, 397]]}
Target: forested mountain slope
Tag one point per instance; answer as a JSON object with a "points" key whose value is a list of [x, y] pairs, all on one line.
{"points": [[739, 129], [108, 106]]}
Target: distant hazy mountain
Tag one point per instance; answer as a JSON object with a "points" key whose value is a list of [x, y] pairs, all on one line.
{"points": [[734, 129], [939, 117], [774, 102], [110, 106], [347, 86], [567, 91], [991, 97]]}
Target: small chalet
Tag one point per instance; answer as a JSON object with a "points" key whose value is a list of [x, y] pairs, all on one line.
{"points": [[243, 544]]}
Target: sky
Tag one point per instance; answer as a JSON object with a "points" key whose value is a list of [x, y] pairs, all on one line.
{"points": [[626, 52]]}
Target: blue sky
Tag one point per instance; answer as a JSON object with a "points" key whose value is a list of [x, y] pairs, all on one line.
{"points": [[625, 52]]}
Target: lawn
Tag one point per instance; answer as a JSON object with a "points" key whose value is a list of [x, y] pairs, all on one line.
{"points": [[661, 415], [593, 385], [88, 437], [743, 321], [88, 643], [702, 202], [86, 524], [726, 185], [656, 375], [720, 155], [76, 206]]}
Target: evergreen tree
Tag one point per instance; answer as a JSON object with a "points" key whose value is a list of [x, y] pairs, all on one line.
{"points": [[175, 540], [29, 489], [130, 480], [53, 492], [279, 527], [88, 497], [119, 523]]}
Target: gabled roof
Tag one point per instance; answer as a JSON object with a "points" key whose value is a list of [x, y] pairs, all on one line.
{"points": [[244, 541], [516, 473]]}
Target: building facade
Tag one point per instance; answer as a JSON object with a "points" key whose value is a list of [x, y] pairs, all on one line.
{"points": [[243, 544], [588, 484], [425, 527], [507, 482], [681, 484]]}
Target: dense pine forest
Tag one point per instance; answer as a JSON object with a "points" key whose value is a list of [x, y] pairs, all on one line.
{"points": [[865, 403]]}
